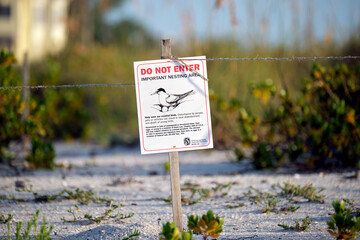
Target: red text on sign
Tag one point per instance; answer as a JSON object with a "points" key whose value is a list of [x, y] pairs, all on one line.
{"points": [[184, 68], [146, 71], [162, 69]]}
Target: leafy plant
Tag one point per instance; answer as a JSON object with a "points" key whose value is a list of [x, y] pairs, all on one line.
{"points": [[186, 235], [317, 126], [269, 201], [171, 232], [13, 127], [132, 234], [342, 225], [208, 225], [41, 154], [271, 204], [262, 157], [43, 234], [290, 208], [98, 219], [84, 197], [197, 193], [258, 197], [221, 190], [62, 112], [72, 212], [53, 113], [166, 167], [308, 191], [298, 227]]}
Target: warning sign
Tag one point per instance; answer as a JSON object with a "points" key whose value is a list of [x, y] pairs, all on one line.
{"points": [[173, 105]]}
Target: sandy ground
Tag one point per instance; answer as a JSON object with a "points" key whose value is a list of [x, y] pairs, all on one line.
{"points": [[139, 182]]}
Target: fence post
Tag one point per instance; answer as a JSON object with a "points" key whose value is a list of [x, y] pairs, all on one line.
{"points": [[25, 98], [25, 92], [173, 159]]}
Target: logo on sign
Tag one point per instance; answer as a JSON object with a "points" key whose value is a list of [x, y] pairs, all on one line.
{"points": [[187, 141]]}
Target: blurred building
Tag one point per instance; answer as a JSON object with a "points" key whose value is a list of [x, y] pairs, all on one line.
{"points": [[34, 26]]}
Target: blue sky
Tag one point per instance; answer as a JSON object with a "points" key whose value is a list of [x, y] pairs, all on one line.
{"points": [[261, 21]]}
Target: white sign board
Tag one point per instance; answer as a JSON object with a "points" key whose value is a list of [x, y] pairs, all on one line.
{"points": [[173, 105]]}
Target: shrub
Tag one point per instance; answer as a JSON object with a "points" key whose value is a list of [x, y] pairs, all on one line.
{"points": [[13, 127], [263, 157], [171, 232], [208, 225], [319, 126], [61, 111], [53, 113], [42, 154], [342, 225], [298, 227]]}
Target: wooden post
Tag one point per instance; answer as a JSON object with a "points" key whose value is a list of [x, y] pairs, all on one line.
{"points": [[26, 91], [25, 99], [173, 159]]}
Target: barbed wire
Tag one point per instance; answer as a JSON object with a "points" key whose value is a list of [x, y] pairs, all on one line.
{"points": [[314, 58], [284, 58], [68, 86]]}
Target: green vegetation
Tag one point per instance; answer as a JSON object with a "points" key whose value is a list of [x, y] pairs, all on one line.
{"points": [[41, 154], [271, 204], [286, 114], [72, 212], [171, 232], [131, 235], [319, 126], [83, 197], [10, 106], [61, 111], [184, 200], [197, 193], [208, 225], [107, 215], [166, 167], [45, 230], [268, 201], [355, 210], [298, 227], [289, 192], [53, 114], [308, 192], [262, 106], [43, 234], [342, 225], [13, 125]]}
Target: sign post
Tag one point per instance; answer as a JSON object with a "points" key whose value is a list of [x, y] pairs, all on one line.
{"points": [[173, 111], [173, 159]]}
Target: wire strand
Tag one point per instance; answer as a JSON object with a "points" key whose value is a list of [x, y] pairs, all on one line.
{"points": [[68, 86], [284, 58], [176, 59]]}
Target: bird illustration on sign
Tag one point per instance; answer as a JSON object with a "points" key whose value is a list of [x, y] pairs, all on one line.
{"points": [[168, 102]]}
